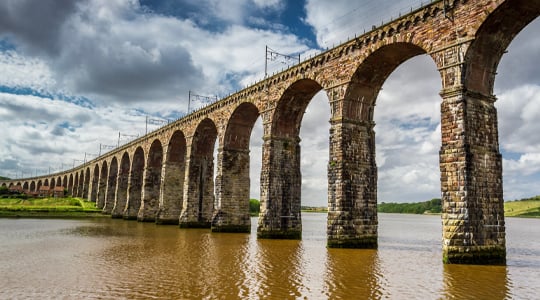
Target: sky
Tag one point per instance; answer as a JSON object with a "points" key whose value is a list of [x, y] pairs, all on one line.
{"points": [[78, 77]]}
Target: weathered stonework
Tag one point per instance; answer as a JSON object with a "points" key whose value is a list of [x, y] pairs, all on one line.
{"points": [[167, 175]]}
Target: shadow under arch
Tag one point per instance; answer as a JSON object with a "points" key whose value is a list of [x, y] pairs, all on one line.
{"points": [[94, 184], [70, 184], [232, 180], [174, 174], [135, 185], [281, 177], [121, 187], [151, 184], [102, 186], [110, 195], [198, 204]]}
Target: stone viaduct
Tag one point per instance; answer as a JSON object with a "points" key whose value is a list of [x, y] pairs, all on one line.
{"points": [[167, 176]]}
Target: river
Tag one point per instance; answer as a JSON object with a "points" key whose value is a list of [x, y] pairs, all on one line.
{"points": [[114, 259]]}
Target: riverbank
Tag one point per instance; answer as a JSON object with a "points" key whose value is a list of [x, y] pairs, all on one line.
{"points": [[48, 208]]}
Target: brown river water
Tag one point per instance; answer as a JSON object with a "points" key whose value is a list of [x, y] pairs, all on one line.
{"points": [[115, 259]]}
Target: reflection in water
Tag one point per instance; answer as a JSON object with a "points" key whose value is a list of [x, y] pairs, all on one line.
{"points": [[475, 282], [351, 274], [277, 268], [109, 259]]}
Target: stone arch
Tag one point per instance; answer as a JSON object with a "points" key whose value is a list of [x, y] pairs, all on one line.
{"points": [[33, 186], [38, 185], [59, 181], [199, 197], [70, 184], [94, 185], [471, 164], [232, 180], [135, 185], [174, 174], [86, 184], [280, 173], [80, 186], [65, 181], [4, 184], [492, 39], [367, 80], [53, 183], [352, 203], [102, 185], [46, 182], [151, 184], [122, 187], [11, 184], [110, 195], [25, 186]]}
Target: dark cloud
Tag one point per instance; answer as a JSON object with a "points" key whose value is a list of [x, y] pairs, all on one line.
{"points": [[9, 164], [35, 25], [135, 73], [108, 51]]}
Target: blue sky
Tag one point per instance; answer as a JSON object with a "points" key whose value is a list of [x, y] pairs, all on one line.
{"points": [[81, 72]]}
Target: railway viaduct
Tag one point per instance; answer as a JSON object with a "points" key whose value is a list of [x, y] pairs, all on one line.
{"points": [[167, 176]]}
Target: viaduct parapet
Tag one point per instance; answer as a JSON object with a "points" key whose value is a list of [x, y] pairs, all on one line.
{"points": [[167, 176]]}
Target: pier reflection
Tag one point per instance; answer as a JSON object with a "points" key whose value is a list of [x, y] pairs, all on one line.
{"points": [[476, 282], [353, 274]]}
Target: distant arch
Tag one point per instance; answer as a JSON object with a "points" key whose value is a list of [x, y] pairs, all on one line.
{"points": [[152, 183], [86, 184], [94, 184], [174, 174], [111, 186], [200, 191], [122, 187], [135, 185], [233, 182], [70, 184], [102, 186]]}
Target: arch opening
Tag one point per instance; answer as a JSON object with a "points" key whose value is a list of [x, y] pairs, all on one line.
{"points": [[354, 171], [199, 204], [135, 185], [110, 197], [102, 186], [281, 171], [233, 172], [517, 87], [122, 187], [174, 174], [152, 184]]}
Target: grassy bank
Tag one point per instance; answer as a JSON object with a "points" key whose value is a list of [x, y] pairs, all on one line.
{"points": [[48, 208], [529, 207]]}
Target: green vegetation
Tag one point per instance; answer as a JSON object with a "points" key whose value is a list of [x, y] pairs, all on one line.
{"points": [[528, 207], [316, 209], [431, 206], [254, 207], [47, 207], [4, 178]]}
